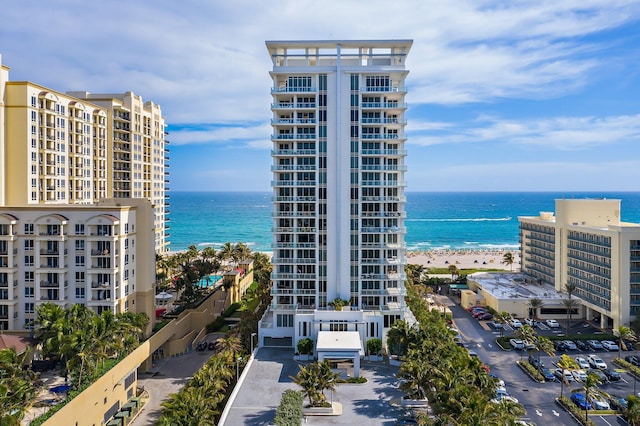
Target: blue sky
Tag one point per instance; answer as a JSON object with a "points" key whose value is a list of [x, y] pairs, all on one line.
{"points": [[504, 95]]}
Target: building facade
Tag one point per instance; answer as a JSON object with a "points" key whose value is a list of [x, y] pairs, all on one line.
{"points": [[68, 234], [338, 119], [585, 244]]}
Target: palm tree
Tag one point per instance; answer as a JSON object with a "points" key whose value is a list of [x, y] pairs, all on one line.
{"points": [[527, 334], [543, 344], [399, 337], [632, 412], [569, 305], [624, 333], [241, 252], [566, 363], [590, 387], [231, 345], [309, 381], [502, 318], [508, 259], [17, 388], [453, 270], [534, 304], [226, 253]]}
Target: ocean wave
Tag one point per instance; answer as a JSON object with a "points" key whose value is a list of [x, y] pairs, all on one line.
{"points": [[471, 219]]}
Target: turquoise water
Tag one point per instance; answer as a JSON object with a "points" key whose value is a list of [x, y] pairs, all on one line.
{"points": [[209, 280], [435, 220]]}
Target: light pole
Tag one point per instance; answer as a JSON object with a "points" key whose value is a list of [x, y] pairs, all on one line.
{"points": [[252, 336], [238, 367]]}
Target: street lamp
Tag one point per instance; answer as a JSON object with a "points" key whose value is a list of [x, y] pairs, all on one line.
{"points": [[252, 336], [238, 367]]}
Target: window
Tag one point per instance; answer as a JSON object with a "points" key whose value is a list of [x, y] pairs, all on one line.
{"points": [[29, 307], [284, 320], [79, 229], [28, 245], [80, 293], [79, 260], [79, 277], [79, 245], [28, 228], [28, 260], [28, 276], [29, 292]]}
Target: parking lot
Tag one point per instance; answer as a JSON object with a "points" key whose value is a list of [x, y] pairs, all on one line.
{"points": [[539, 398]]}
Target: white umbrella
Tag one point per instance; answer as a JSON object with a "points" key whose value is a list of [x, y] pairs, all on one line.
{"points": [[163, 296]]}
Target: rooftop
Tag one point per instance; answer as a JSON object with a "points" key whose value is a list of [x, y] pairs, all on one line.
{"points": [[515, 286]]}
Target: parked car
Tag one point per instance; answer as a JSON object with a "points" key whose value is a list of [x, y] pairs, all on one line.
{"points": [[581, 401], [479, 313], [516, 344], [582, 363], [559, 345], [496, 325], [503, 395], [531, 322], [579, 375], [596, 362], [628, 345], [609, 345], [599, 403], [515, 323], [548, 375], [202, 346], [551, 323], [603, 378], [212, 345], [611, 374], [486, 316], [617, 402], [536, 362], [471, 308], [581, 344], [570, 345], [633, 359], [563, 375], [594, 345]]}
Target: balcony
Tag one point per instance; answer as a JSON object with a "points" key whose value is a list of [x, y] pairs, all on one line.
{"points": [[389, 183], [288, 105], [284, 152], [292, 261], [387, 152], [385, 168], [293, 136], [287, 89], [293, 183], [383, 120], [290, 121], [383, 89], [384, 105], [292, 167], [383, 136]]}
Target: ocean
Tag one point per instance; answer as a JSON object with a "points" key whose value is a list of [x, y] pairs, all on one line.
{"points": [[435, 220]]}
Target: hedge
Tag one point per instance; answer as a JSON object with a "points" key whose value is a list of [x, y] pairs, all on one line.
{"points": [[289, 412]]}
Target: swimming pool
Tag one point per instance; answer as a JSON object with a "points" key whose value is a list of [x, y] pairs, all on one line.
{"points": [[209, 280]]}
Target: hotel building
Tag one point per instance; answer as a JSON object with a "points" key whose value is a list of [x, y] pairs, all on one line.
{"points": [[338, 119], [82, 200], [586, 244]]}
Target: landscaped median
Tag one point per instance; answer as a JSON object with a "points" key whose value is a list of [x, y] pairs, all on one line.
{"points": [[577, 413], [526, 366]]}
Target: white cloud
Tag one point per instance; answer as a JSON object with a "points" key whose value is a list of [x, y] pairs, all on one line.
{"points": [[561, 133]]}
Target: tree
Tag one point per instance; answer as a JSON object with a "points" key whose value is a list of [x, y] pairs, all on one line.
{"points": [[374, 346], [632, 412], [453, 270], [543, 344], [534, 304], [527, 334], [590, 387], [624, 333], [314, 379], [398, 338], [17, 388], [569, 305], [508, 259], [566, 363], [305, 346], [502, 318], [231, 345]]}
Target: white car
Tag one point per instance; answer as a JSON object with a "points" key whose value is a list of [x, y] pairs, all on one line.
{"points": [[579, 375], [599, 403], [566, 374], [582, 363], [596, 362], [516, 344], [551, 323], [504, 396], [610, 345], [515, 323]]}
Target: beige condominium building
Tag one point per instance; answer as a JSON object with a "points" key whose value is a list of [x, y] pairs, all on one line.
{"points": [[587, 245], [82, 200], [338, 119]]}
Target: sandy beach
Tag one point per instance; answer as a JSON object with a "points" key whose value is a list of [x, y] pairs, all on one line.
{"points": [[464, 259]]}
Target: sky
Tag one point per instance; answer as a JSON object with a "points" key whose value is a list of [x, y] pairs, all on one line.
{"points": [[518, 95]]}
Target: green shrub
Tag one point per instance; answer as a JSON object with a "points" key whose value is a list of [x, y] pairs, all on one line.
{"points": [[215, 325], [305, 346], [374, 346], [231, 309], [576, 411], [289, 412], [634, 370]]}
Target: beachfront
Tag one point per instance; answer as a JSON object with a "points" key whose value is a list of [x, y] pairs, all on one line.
{"points": [[464, 259]]}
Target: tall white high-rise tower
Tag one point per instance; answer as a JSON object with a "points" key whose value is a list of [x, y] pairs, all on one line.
{"points": [[338, 188]]}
